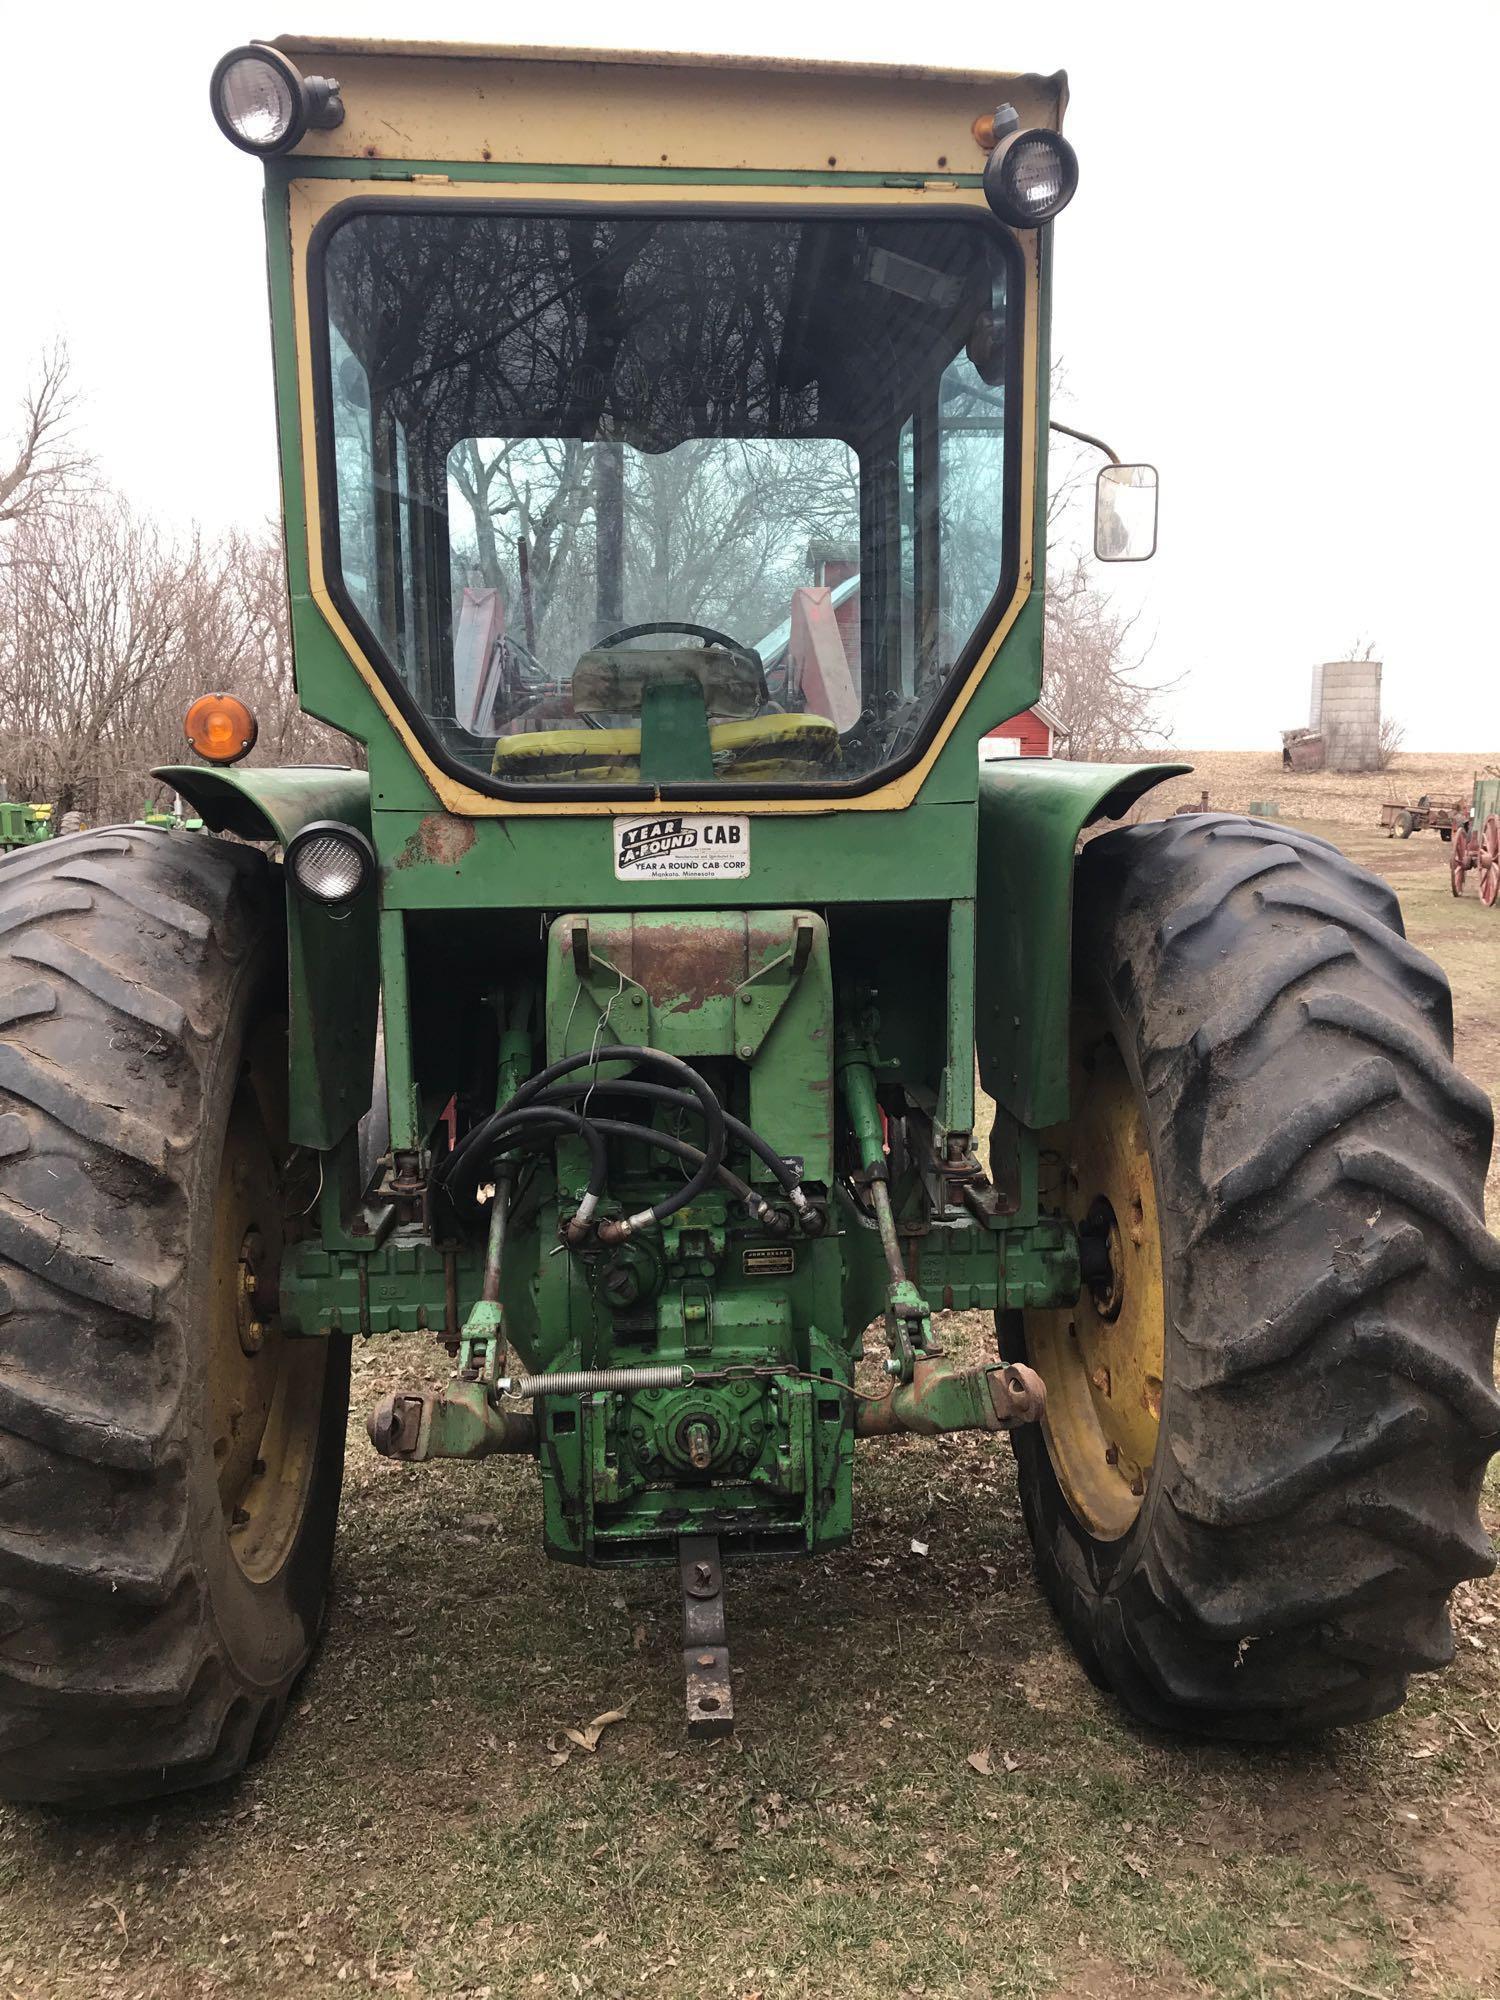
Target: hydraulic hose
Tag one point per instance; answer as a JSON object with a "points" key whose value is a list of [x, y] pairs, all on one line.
{"points": [[713, 1112], [512, 1128], [463, 1167], [684, 1100], [665, 1142]]}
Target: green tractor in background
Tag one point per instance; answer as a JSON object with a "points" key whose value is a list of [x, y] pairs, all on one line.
{"points": [[23, 824], [664, 468]]}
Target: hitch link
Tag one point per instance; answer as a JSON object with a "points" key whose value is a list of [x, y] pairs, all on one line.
{"points": [[942, 1396], [908, 1317]]}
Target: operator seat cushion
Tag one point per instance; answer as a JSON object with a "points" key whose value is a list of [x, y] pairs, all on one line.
{"points": [[767, 749]]}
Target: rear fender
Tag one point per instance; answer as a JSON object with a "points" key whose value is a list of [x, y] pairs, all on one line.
{"points": [[333, 960], [1031, 812]]}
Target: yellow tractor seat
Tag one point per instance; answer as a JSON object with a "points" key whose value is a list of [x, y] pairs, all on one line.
{"points": [[775, 749]]}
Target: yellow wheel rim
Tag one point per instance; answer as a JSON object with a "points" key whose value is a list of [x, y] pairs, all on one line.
{"points": [[1102, 1359], [264, 1390]]}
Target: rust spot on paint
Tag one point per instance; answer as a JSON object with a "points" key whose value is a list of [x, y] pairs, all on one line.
{"points": [[440, 840], [683, 964]]}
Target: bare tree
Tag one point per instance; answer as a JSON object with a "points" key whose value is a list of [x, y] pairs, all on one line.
{"points": [[238, 635], [94, 629], [40, 463], [109, 628], [1093, 675]]}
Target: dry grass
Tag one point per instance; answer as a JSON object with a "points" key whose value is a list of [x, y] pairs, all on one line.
{"points": [[1234, 778]]}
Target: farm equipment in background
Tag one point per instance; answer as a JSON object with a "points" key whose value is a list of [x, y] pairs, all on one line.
{"points": [[1303, 750], [23, 825], [1440, 816], [1476, 841], [676, 998]]}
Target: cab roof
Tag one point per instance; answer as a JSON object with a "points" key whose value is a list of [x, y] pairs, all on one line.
{"points": [[631, 108], [361, 45]]}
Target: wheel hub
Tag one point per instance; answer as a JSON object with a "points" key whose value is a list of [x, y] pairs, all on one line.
{"points": [[1103, 1358], [1101, 1258], [264, 1400], [250, 1300]]}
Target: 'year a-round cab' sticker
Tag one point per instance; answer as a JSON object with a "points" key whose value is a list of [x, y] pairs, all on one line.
{"points": [[676, 847]]}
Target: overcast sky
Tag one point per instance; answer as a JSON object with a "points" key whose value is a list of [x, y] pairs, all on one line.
{"points": [[1276, 282]]}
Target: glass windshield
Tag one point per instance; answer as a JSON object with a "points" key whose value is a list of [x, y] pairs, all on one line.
{"points": [[668, 500]]}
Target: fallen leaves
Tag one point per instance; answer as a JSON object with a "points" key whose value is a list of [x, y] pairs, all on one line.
{"points": [[585, 1739], [982, 1761], [770, 1812]]}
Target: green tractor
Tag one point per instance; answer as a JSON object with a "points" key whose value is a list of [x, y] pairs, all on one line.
{"points": [[664, 460], [23, 824]]}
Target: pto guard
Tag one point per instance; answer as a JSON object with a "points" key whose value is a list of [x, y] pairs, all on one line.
{"points": [[1031, 812], [333, 959]]}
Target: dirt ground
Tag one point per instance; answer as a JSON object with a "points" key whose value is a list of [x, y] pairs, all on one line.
{"points": [[924, 1796]]}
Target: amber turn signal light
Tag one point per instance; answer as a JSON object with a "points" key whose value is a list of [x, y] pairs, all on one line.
{"points": [[220, 728]]}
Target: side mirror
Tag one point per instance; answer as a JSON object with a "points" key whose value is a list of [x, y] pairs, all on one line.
{"points": [[1125, 513]]}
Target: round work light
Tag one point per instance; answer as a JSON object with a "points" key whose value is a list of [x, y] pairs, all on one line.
{"points": [[1029, 176], [329, 862], [263, 104]]}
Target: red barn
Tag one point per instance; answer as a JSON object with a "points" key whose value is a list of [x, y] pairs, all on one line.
{"points": [[1035, 732]]}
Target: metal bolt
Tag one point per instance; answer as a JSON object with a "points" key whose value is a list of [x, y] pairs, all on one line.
{"points": [[704, 1572], [746, 1051], [253, 1337], [892, 1365]]}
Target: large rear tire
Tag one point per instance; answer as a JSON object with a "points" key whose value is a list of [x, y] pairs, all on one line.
{"points": [[169, 1463], [1270, 1413]]}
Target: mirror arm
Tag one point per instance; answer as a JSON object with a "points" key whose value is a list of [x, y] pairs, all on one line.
{"points": [[1083, 437]]}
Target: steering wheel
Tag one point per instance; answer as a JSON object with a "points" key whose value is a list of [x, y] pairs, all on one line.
{"points": [[709, 634]]}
